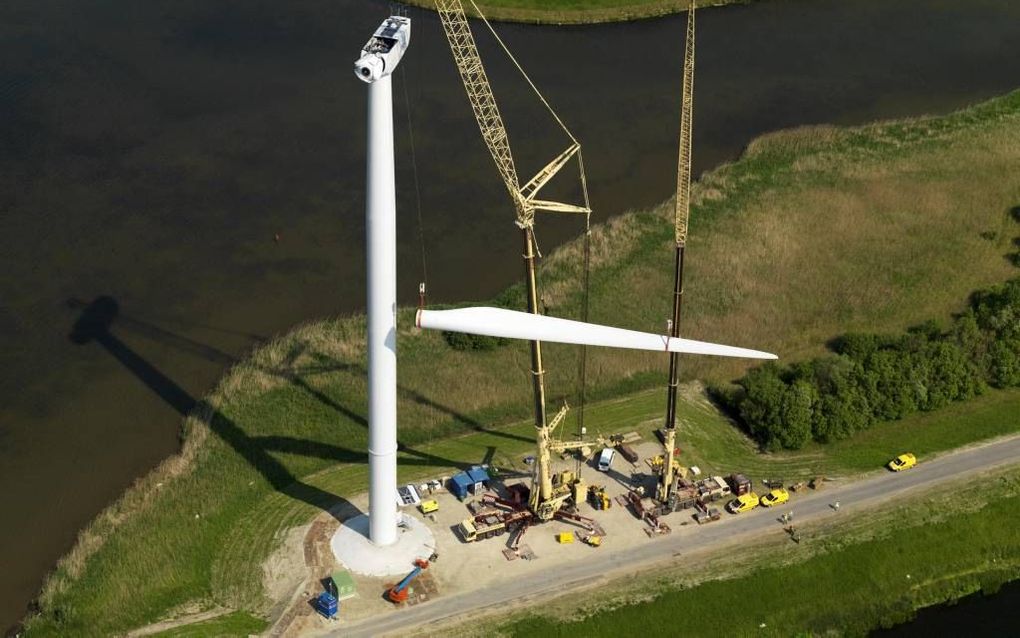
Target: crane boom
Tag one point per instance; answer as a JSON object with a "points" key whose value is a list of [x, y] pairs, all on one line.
{"points": [[479, 92], [683, 177], [681, 215], [494, 133]]}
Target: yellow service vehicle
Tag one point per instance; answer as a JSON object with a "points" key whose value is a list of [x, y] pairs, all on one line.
{"points": [[743, 503], [775, 497], [902, 462], [429, 506]]}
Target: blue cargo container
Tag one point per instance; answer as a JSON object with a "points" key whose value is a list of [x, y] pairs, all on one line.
{"points": [[460, 485], [326, 604], [479, 478]]}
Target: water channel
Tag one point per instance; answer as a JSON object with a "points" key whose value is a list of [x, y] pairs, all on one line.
{"points": [[201, 163]]}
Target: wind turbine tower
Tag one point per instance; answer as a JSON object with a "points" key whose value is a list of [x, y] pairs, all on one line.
{"points": [[379, 57]]}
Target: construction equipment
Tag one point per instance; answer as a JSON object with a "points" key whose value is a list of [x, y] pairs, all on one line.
{"points": [[713, 488], [706, 514], [429, 506], [545, 500], [627, 452], [399, 592], [592, 539], [565, 538], [680, 217], [598, 498]]}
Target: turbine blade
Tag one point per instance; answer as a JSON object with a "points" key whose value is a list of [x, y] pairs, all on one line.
{"points": [[512, 324]]}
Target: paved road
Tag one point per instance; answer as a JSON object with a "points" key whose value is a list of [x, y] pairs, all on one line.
{"points": [[852, 496]]}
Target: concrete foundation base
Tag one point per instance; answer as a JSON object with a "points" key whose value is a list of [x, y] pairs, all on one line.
{"points": [[352, 547]]}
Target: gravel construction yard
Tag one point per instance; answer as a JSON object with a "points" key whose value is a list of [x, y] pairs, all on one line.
{"points": [[475, 578]]}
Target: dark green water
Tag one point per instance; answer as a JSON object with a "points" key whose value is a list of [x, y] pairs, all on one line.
{"points": [[152, 152]]}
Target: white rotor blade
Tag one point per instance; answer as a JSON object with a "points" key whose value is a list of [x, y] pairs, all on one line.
{"points": [[499, 322]]}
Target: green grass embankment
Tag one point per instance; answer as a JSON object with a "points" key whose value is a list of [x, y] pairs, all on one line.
{"points": [[845, 580], [813, 233], [578, 11]]}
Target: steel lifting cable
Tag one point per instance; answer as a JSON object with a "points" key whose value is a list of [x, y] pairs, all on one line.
{"points": [[582, 381], [582, 366], [421, 224], [545, 103], [417, 185], [524, 74]]}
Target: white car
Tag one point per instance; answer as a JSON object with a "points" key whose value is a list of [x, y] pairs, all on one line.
{"points": [[606, 459]]}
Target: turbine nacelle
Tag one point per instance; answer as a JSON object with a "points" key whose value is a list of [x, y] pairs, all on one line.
{"points": [[384, 49]]}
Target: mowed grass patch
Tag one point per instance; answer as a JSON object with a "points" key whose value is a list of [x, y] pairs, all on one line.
{"points": [[284, 434], [847, 586]]}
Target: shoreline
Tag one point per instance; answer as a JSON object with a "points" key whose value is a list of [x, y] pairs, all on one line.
{"points": [[625, 12]]}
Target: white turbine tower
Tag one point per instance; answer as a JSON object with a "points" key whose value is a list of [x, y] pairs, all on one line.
{"points": [[379, 57]]}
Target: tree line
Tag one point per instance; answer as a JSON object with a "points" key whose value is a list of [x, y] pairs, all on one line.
{"points": [[874, 377]]}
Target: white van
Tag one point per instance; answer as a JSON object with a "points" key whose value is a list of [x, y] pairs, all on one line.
{"points": [[606, 459]]}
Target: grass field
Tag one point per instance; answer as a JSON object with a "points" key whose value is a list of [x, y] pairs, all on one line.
{"points": [[578, 11], [813, 233], [871, 573]]}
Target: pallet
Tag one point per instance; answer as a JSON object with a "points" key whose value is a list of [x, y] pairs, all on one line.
{"points": [[510, 554]]}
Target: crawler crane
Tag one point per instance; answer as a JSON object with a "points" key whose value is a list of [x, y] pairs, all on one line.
{"points": [[546, 499], [669, 467]]}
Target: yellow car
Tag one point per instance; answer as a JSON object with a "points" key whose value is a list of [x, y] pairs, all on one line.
{"points": [[743, 503], [902, 462], [775, 497]]}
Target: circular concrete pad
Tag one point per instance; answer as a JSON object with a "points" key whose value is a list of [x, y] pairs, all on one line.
{"points": [[352, 548]]}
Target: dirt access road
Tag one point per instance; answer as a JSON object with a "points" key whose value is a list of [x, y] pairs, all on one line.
{"points": [[852, 496]]}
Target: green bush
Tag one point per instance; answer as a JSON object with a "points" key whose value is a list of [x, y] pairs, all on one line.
{"points": [[881, 377]]}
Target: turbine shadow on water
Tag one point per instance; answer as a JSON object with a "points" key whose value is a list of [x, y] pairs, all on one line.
{"points": [[94, 325]]}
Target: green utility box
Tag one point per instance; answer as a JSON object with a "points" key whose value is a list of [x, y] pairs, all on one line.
{"points": [[343, 585]]}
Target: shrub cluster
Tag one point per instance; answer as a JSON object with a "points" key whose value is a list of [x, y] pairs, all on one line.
{"points": [[880, 378]]}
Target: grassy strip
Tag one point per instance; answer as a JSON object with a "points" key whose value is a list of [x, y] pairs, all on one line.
{"points": [[235, 624], [284, 433], [932, 552], [578, 11]]}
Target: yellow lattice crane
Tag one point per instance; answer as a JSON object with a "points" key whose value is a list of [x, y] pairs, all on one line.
{"points": [[681, 215], [544, 501]]}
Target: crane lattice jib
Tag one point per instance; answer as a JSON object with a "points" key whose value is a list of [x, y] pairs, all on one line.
{"points": [[683, 179], [483, 102]]}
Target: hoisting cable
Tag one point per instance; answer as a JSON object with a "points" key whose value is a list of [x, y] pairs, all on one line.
{"points": [[422, 285], [524, 74], [585, 284], [417, 188]]}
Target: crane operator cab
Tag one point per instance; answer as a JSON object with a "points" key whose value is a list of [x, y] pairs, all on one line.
{"points": [[606, 459]]}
